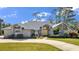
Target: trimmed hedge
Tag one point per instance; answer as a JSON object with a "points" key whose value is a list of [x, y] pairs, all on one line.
{"points": [[19, 36]]}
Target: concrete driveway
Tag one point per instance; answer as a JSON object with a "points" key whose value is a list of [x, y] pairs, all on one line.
{"points": [[59, 44], [2, 36]]}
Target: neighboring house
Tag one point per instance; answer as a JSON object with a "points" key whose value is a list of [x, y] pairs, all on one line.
{"points": [[61, 28]]}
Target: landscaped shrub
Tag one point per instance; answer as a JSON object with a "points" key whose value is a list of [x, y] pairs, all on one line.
{"points": [[32, 35], [78, 31], [11, 36], [66, 34], [56, 31], [1, 32], [73, 34], [19, 36]]}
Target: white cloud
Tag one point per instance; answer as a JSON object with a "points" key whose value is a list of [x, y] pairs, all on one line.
{"points": [[14, 14], [4, 16], [43, 14], [24, 22], [75, 7], [77, 11], [43, 20], [10, 15], [34, 19]]}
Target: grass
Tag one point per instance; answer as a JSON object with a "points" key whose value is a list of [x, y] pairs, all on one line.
{"points": [[68, 40], [27, 47]]}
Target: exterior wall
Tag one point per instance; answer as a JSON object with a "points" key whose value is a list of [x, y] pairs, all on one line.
{"points": [[26, 33], [44, 32], [50, 32], [7, 32]]}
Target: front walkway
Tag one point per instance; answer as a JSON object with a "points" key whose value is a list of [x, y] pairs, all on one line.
{"points": [[61, 45]]}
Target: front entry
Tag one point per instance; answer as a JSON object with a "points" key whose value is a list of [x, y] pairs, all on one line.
{"points": [[45, 30]]}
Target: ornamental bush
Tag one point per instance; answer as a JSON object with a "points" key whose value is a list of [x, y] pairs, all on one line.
{"points": [[56, 31], [73, 34], [19, 36]]}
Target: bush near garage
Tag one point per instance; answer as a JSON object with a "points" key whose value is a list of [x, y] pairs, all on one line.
{"points": [[19, 36]]}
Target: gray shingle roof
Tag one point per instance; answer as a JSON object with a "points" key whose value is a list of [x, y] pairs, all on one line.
{"points": [[55, 25], [34, 25]]}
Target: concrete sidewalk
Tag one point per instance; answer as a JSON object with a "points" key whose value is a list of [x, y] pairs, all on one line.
{"points": [[59, 44]]}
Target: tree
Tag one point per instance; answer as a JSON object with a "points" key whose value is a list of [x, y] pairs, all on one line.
{"points": [[1, 21], [65, 15], [69, 18], [58, 14], [3, 25]]}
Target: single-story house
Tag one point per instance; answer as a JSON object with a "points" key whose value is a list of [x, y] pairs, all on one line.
{"points": [[32, 28], [29, 29]]}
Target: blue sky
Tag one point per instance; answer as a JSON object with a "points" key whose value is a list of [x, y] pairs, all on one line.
{"points": [[15, 15]]}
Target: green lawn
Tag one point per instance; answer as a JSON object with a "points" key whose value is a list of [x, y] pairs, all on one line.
{"points": [[69, 40], [27, 47]]}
